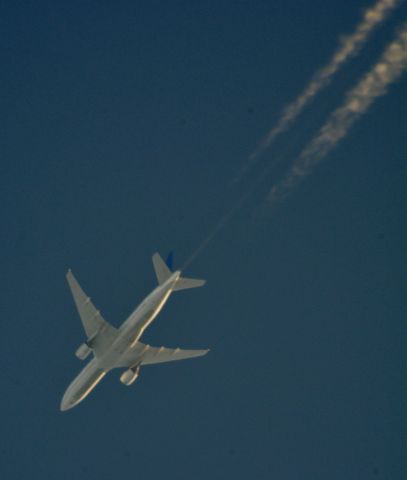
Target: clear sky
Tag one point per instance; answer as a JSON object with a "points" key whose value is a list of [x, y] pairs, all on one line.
{"points": [[122, 126]]}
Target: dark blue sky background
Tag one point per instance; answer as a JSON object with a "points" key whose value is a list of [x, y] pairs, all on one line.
{"points": [[122, 125]]}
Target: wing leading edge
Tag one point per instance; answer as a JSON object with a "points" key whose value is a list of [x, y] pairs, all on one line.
{"points": [[162, 354], [148, 355], [99, 332]]}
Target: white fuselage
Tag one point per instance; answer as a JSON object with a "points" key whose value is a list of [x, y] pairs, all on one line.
{"points": [[129, 333]]}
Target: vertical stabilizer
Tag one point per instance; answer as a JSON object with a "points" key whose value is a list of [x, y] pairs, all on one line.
{"points": [[162, 272]]}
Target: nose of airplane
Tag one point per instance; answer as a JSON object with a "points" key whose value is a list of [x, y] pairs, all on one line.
{"points": [[66, 403]]}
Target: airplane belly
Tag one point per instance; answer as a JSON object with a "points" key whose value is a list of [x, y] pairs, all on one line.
{"points": [[135, 326], [83, 384], [144, 317]]}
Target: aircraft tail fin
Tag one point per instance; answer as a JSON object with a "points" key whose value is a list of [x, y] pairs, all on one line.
{"points": [[163, 273]]}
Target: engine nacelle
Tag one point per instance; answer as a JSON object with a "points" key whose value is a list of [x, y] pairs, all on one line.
{"points": [[129, 376], [83, 351]]}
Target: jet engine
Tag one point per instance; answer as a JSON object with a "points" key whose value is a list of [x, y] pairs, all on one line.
{"points": [[83, 351], [129, 376]]}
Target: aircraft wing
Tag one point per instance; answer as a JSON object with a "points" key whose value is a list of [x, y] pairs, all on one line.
{"points": [[162, 354], [100, 332], [150, 355]]}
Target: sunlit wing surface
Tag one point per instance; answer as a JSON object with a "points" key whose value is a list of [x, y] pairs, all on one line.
{"points": [[147, 355], [162, 354], [100, 332]]}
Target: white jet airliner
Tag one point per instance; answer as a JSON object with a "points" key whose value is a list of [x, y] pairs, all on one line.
{"points": [[120, 347]]}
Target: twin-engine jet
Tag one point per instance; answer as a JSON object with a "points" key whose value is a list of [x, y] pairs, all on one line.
{"points": [[120, 347]]}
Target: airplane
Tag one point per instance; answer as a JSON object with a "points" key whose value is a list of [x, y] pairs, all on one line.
{"points": [[120, 347]]}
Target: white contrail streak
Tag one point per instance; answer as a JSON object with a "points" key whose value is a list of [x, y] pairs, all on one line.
{"points": [[373, 84], [350, 46]]}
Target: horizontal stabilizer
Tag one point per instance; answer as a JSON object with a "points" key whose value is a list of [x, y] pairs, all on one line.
{"points": [[184, 283]]}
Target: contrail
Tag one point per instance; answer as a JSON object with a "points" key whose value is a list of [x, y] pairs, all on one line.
{"points": [[373, 84], [349, 46], [222, 222]]}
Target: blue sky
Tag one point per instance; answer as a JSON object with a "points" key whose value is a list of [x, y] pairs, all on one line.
{"points": [[122, 127]]}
